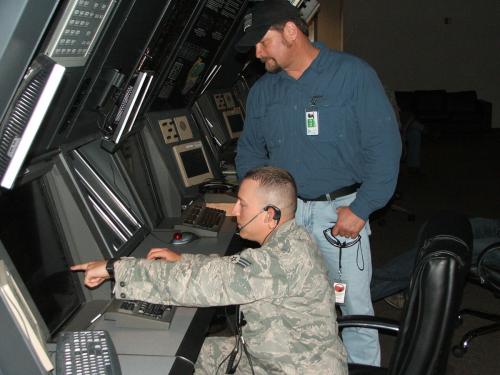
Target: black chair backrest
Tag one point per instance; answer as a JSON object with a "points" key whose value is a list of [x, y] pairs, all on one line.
{"points": [[434, 297]]}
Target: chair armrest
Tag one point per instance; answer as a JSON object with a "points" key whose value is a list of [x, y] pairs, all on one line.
{"points": [[367, 321]]}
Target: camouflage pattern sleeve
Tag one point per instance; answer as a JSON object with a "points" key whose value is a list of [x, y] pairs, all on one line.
{"points": [[200, 280], [283, 290]]}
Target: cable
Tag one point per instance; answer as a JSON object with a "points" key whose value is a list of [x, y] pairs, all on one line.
{"points": [[249, 357], [272, 230], [239, 347], [237, 340]]}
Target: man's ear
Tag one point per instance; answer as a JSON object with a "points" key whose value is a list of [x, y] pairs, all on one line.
{"points": [[271, 223], [290, 31]]}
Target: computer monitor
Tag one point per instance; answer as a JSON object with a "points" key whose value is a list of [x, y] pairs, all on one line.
{"points": [[106, 199], [221, 119], [26, 351], [77, 37], [193, 163], [234, 121], [34, 241], [25, 115], [126, 113]]}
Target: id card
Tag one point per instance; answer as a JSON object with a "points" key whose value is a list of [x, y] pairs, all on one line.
{"points": [[340, 289], [312, 122]]}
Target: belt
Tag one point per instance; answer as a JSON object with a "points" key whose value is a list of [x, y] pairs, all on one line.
{"points": [[334, 194]]}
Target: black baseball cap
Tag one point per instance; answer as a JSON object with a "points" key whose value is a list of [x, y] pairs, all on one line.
{"points": [[261, 17]]}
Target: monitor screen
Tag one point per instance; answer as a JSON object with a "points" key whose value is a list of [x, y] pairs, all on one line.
{"points": [[31, 235], [193, 163], [30, 350], [234, 122]]}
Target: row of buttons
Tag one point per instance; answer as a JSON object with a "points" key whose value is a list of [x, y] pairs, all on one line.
{"points": [[76, 32], [88, 14], [79, 23], [86, 3], [64, 51]]}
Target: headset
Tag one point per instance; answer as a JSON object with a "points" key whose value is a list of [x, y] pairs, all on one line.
{"points": [[277, 211], [276, 216]]}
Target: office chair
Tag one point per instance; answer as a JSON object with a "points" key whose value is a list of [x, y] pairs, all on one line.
{"points": [[486, 272], [431, 309]]}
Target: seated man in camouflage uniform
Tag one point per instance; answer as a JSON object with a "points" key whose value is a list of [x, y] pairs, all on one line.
{"points": [[282, 287]]}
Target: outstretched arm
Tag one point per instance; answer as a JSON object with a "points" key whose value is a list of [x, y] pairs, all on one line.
{"points": [[95, 272]]}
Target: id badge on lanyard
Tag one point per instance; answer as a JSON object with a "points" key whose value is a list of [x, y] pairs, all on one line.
{"points": [[312, 120]]}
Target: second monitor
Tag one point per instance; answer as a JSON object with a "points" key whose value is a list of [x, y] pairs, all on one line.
{"points": [[233, 118], [221, 119], [182, 149], [193, 163]]}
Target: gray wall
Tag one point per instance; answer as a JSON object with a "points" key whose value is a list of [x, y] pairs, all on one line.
{"points": [[428, 44]]}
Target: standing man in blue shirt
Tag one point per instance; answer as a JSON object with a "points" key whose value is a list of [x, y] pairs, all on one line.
{"points": [[323, 115]]}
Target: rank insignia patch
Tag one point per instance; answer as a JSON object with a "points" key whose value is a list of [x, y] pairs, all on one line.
{"points": [[236, 259]]}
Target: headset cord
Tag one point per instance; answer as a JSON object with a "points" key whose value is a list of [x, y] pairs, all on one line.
{"points": [[249, 357], [272, 230], [234, 328], [240, 347]]}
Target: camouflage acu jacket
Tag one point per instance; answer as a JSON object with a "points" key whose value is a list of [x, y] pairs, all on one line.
{"points": [[282, 288]]}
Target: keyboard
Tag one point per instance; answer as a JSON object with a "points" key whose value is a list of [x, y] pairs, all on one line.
{"points": [[86, 353], [139, 314], [201, 220]]}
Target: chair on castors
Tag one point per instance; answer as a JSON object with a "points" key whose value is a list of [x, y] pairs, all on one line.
{"points": [[486, 272], [430, 313]]}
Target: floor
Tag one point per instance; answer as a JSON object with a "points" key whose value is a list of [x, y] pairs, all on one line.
{"points": [[461, 173]]}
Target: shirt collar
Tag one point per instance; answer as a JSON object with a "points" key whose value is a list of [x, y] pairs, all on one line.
{"points": [[316, 67], [283, 228]]}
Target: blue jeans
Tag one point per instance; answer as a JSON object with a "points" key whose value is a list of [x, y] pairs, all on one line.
{"points": [[395, 275], [362, 344]]}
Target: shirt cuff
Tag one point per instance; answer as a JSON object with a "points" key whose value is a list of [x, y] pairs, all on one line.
{"points": [[360, 209]]}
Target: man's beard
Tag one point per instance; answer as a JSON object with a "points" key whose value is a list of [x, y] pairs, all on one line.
{"points": [[273, 67]]}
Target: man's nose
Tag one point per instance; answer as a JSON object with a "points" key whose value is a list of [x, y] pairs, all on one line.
{"points": [[258, 51], [235, 211]]}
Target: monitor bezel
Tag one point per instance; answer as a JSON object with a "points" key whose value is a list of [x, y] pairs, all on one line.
{"points": [[47, 194], [195, 180], [24, 316], [233, 112]]}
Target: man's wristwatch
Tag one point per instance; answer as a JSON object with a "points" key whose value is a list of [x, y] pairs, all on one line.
{"points": [[110, 266]]}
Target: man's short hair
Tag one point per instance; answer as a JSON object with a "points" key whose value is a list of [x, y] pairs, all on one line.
{"points": [[278, 184]]}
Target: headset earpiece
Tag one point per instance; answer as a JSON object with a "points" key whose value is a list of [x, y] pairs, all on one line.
{"points": [[277, 211]]}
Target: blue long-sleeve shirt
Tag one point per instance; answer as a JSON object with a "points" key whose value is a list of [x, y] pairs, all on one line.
{"points": [[358, 139]]}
